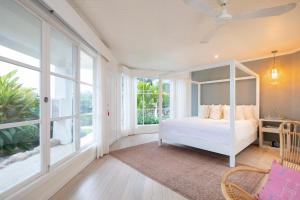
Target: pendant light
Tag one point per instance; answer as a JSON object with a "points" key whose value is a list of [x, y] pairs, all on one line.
{"points": [[274, 72]]}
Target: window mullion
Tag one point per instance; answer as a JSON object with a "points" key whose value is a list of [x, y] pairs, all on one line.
{"points": [[76, 60]]}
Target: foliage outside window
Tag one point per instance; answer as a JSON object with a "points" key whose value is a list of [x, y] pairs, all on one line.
{"points": [[17, 103]]}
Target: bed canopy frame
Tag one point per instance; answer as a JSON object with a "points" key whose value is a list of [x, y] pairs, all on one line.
{"points": [[231, 151]]}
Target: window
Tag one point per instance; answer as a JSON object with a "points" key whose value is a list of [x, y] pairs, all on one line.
{"points": [[20, 119], [27, 119], [86, 98], [166, 99], [147, 101]]}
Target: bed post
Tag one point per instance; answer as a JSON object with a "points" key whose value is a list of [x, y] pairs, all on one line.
{"points": [[232, 113]]}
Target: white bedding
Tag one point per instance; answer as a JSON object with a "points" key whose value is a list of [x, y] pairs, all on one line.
{"points": [[217, 131]]}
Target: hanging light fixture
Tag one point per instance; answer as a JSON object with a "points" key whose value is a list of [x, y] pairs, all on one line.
{"points": [[274, 72]]}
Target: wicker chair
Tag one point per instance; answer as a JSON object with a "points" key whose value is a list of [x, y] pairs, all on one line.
{"points": [[289, 157]]}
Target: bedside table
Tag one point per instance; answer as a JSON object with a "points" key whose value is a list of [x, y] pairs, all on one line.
{"points": [[270, 126]]}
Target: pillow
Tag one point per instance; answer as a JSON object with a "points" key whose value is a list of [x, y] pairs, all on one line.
{"points": [[226, 111], [204, 111], [239, 110], [282, 183], [249, 112], [215, 112], [239, 113]]}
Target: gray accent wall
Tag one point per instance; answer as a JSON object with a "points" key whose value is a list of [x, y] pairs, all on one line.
{"points": [[280, 97], [277, 98], [219, 93]]}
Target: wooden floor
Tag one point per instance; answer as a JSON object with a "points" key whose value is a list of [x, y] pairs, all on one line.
{"points": [[110, 179]]}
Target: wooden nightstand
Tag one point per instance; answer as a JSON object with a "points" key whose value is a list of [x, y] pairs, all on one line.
{"points": [[270, 126]]}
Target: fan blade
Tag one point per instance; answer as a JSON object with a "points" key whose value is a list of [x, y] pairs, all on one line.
{"points": [[201, 6], [267, 12], [209, 35]]}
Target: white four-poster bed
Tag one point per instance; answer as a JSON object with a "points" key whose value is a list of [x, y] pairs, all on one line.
{"points": [[220, 136]]}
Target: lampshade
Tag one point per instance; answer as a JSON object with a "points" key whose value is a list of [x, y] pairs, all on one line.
{"points": [[274, 73], [274, 69]]}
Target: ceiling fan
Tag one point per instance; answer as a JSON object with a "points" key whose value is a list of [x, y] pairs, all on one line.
{"points": [[222, 16]]}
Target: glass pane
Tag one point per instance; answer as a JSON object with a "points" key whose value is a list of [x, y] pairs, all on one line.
{"points": [[140, 85], [20, 34], [62, 97], [166, 113], [19, 154], [140, 101], [151, 101], [19, 93], [86, 68], [86, 99], [151, 116], [140, 117], [61, 54], [166, 86], [86, 130], [61, 139], [166, 95]]}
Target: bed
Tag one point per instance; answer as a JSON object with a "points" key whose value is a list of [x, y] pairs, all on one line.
{"points": [[209, 134], [227, 137]]}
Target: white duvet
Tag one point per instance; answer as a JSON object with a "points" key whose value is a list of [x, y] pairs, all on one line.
{"points": [[208, 129]]}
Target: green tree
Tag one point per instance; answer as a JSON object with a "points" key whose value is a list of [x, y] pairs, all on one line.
{"points": [[17, 103]]}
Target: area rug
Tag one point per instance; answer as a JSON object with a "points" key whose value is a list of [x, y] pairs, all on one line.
{"points": [[194, 173]]}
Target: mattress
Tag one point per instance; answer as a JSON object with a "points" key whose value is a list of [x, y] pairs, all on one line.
{"points": [[217, 131]]}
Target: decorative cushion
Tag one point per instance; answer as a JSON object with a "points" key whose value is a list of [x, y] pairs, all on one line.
{"points": [[215, 112], [282, 183], [204, 111], [249, 112]]}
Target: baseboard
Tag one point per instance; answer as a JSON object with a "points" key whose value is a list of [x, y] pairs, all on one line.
{"points": [[46, 186]]}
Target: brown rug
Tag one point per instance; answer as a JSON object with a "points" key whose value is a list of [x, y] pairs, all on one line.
{"points": [[194, 173]]}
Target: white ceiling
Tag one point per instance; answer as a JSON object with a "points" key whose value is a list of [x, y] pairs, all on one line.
{"points": [[165, 34]]}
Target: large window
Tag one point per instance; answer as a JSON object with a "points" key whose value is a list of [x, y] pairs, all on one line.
{"points": [[147, 101], [43, 99]]}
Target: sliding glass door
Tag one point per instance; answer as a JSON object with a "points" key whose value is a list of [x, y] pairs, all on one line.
{"points": [[20, 92], [47, 94]]}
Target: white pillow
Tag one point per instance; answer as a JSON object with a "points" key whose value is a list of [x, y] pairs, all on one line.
{"points": [[204, 111], [226, 111], [240, 113], [249, 112], [215, 112]]}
